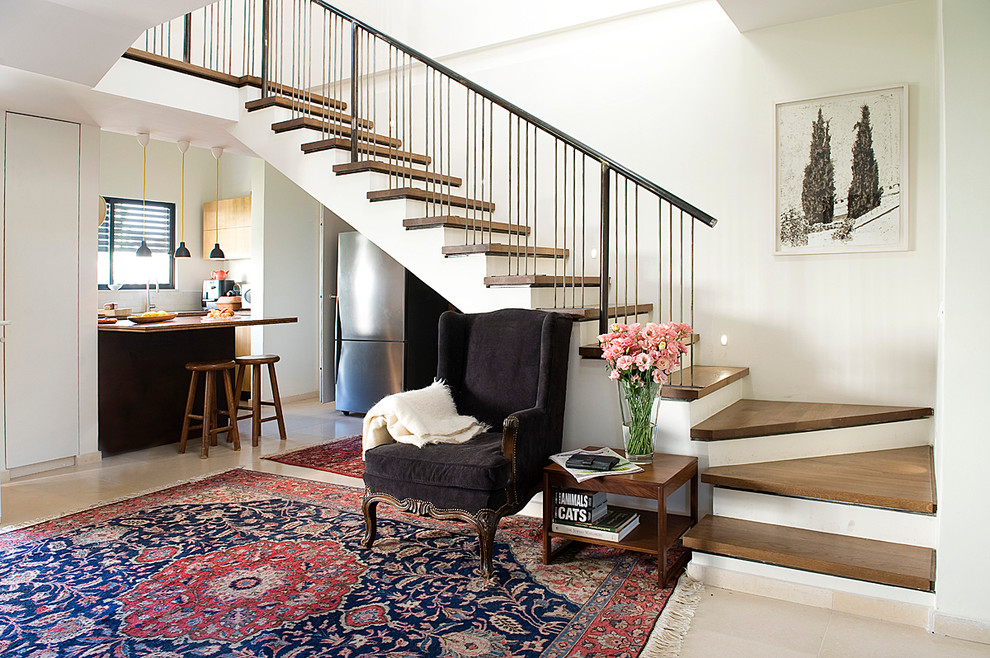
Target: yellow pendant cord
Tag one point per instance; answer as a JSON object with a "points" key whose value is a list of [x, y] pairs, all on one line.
{"points": [[144, 193], [218, 201], [182, 201]]}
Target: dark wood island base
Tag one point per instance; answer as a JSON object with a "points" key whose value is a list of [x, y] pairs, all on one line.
{"points": [[143, 382]]}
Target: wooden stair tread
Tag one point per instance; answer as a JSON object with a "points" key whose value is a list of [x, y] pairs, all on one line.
{"points": [[498, 249], [874, 561], [583, 314], [304, 105], [366, 148], [342, 130], [398, 170], [695, 382], [454, 221], [227, 79], [183, 67], [541, 280], [417, 194], [900, 479], [748, 418]]}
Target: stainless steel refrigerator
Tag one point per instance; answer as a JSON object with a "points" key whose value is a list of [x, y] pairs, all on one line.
{"points": [[386, 337]]}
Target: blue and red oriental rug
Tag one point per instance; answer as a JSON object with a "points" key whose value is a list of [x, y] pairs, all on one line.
{"points": [[252, 564]]}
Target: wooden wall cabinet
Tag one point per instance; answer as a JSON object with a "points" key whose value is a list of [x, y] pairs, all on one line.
{"points": [[235, 227]]}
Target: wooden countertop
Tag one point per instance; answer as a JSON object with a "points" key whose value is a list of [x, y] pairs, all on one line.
{"points": [[195, 322]]}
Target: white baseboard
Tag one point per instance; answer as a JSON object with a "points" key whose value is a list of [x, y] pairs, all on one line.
{"points": [[962, 628], [89, 458], [40, 467], [882, 602]]}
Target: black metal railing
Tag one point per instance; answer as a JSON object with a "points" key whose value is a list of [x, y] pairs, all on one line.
{"points": [[552, 205]]}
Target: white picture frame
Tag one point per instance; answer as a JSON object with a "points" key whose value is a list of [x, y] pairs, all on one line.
{"points": [[868, 151]]}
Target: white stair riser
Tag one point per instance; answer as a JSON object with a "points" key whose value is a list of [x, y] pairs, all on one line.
{"points": [[825, 516], [896, 604], [818, 443]]}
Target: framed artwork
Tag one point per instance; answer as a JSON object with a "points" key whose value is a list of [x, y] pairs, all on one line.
{"points": [[840, 173]]}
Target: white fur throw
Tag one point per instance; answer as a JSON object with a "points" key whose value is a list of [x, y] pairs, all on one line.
{"points": [[419, 417]]}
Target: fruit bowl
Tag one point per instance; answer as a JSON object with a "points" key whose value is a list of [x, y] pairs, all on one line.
{"points": [[148, 319]]}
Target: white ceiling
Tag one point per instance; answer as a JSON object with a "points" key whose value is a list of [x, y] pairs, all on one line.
{"points": [[755, 14], [53, 52]]}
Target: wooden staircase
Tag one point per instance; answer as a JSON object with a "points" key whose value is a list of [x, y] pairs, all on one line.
{"points": [[898, 481]]}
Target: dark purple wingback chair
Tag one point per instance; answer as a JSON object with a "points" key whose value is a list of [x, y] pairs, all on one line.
{"points": [[507, 368]]}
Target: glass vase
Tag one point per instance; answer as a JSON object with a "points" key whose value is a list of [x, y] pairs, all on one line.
{"points": [[640, 407]]}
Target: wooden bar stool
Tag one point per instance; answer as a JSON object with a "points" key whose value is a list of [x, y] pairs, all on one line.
{"points": [[208, 421], [256, 361]]}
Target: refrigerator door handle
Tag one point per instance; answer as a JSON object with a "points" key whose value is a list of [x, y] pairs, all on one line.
{"points": [[338, 342]]}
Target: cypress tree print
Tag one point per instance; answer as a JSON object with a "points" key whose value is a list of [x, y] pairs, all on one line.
{"points": [[818, 190], [865, 190]]}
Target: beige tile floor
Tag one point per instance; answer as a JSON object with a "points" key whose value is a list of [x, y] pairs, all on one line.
{"points": [[726, 625]]}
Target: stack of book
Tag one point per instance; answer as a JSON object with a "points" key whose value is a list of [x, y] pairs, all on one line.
{"points": [[586, 514]]}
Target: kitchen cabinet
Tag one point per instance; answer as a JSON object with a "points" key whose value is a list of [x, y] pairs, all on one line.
{"points": [[41, 344], [234, 217]]}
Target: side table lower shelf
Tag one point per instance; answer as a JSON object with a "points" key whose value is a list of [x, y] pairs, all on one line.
{"points": [[657, 481]]}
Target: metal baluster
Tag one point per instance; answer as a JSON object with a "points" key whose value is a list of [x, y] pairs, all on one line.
{"points": [[625, 255], [635, 300], [573, 251], [603, 255], [584, 227], [526, 207]]}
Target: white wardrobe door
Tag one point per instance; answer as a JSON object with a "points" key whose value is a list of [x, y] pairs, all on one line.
{"points": [[40, 283]]}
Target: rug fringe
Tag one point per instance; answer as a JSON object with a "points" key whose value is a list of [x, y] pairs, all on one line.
{"points": [[675, 620], [113, 501]]}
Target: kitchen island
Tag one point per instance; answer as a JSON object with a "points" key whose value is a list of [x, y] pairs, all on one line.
{"points": [[143, 381]]}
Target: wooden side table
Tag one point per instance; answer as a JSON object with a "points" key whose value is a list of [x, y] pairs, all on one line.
{"points": [[657, 531]]}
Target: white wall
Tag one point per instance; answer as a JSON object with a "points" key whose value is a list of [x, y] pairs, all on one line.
{"points": [[120, 175], [285, 242], [963, 451], [684, 99]]}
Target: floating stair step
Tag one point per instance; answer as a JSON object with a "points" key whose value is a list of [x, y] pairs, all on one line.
{"points": [[748, 418], [366, 149], [900, 479], [342, 131], [292, 92], [303, 105], [695, 382], [416, 194], [874, 561], [497, 249], [583, 314], [184, 67], [453, 221], [395, 170], [541, 281], [227, 79]]}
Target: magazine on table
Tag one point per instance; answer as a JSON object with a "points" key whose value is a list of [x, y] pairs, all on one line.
{"points": [[623, 467]]}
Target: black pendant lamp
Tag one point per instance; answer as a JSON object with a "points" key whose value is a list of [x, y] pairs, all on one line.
{"points": [[143, 251], [217, 253], [182, 251]]}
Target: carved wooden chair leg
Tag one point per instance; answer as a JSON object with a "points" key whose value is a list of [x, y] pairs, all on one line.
{"points": [[370, 508], [487, 524]]}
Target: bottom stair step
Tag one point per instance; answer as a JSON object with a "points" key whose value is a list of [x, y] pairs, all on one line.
{"points": [[886, 563]]}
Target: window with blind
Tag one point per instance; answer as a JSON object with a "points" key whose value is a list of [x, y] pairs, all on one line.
{"points": [[126, 223]]}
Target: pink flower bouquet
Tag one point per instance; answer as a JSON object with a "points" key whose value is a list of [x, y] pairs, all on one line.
{"points": [[640, 358]]}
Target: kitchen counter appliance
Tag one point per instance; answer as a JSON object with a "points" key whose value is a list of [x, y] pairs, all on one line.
{"points": [[213, 289]]}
